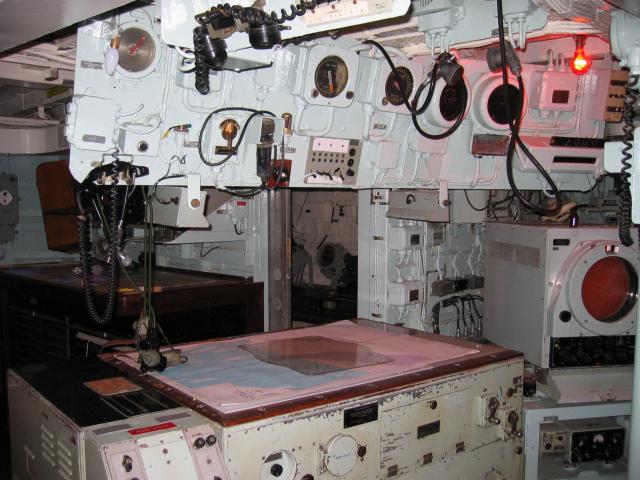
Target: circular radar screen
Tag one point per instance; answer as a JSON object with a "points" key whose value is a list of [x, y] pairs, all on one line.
{"points": [[453, 101], [397, 85], [137, 50], [332, 75], [496, 107], [609, 289]]}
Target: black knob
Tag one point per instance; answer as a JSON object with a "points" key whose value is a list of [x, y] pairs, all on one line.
{"points": [[350, 173], [352, 152], [199, 442], [127, 463], [565, 316], [211, 440], [276, 470], [350, 162]]}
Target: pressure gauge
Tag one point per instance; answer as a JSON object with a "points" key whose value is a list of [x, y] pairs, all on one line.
{"points": [[331, 77], [399, 86], [137, 50]]}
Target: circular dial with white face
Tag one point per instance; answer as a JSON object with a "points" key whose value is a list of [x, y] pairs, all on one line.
{"points": [[341, 455]]}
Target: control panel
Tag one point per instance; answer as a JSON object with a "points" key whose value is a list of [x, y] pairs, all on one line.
{"points": [[162, 110], [427, 431], [176, 444], [578, 441], [333, 161], [568, 352]]}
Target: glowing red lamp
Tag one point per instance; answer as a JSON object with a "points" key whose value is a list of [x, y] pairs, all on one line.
{"points": [[580, 63]]}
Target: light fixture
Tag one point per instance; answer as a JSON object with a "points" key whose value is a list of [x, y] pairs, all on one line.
{"points": [[580, 63], [112, 55]]}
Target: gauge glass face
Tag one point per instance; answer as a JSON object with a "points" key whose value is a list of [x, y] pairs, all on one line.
{"points": [[396, 85], [453, 101], [137, 50], [332, 75], [496, 107]]}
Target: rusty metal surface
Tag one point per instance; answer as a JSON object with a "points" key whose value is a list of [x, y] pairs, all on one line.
{"points": [[487, 355]]}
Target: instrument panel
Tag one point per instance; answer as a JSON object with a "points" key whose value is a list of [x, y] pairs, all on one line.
{"points": [[335, 89]]}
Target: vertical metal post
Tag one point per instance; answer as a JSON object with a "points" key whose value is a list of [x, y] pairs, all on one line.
{"points": [[279, 259], [634, 434]]}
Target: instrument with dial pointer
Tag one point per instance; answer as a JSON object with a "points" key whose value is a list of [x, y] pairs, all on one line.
{"points": [[331, 77]]}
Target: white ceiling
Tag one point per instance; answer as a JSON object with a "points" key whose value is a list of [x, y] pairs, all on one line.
{"points": [[22, 21]]}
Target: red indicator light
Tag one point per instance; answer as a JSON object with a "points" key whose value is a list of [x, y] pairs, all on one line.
{"points": [[580, 63]]}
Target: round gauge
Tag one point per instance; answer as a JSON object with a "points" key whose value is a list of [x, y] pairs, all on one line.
{"points": [[137, 50], [496, 107], [332, 75], [453, 101], [397, 85]]}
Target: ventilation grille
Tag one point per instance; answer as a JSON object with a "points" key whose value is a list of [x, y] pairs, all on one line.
{"points": [[57, 454]]}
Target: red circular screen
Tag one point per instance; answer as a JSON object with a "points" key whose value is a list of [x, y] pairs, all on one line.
{"points": [[608, 289]]}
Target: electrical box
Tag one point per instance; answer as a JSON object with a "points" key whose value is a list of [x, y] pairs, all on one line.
{"points": [[416, 205], [406, 293], [584, 440]]}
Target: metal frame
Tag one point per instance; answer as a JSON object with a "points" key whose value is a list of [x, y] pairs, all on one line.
{"points": [[536, 412]]}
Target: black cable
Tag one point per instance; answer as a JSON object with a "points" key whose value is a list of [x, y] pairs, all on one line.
{"points": [[431, 79], [439, 136], [84, 236], [200, 60], [255, 16], [413, 106], [624, 203], [254, 112], [515, 129], [473, 207], [154, 189]]}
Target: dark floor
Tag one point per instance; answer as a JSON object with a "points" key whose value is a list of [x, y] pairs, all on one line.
{"points": [[5, 446]]}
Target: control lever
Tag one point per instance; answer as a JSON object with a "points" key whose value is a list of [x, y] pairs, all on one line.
{"points": [[493, 410], [512, 420]]}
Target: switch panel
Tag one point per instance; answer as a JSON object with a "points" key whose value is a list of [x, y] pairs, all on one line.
{"points": [[333, 160]]}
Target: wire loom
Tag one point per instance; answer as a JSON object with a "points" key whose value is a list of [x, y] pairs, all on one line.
{"points": [[255, 16], [624, 206], [264, 32], [85, 260]]}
